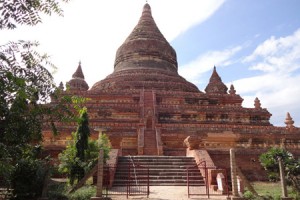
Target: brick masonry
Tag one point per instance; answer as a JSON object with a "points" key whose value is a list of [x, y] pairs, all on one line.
{"points": [[146, 107]]}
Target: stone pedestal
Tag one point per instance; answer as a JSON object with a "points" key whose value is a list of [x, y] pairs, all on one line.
{"points": [[221, 183], [282, 179], [240, 185], [235, 194], [233, 173], [100, 178]]}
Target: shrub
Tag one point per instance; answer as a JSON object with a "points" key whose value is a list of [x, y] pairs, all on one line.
{"points": [[83, 193], [69, 161], [248, 195], [27, 179], [57, 191]]}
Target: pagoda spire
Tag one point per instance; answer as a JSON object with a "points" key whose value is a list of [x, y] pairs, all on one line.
{"points": [[215, 84], [232, 90], [146, 47], [77, 82], [78, 73], [61, 86], [257, 103], [289, 121]]}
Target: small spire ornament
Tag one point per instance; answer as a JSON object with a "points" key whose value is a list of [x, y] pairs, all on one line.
{"points": [[61, 86], [289, 121], [257, 103], [232, 90]]}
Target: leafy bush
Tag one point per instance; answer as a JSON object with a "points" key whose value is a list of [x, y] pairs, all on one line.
{"points": [[69, 161], [273, 176], [248, 195], [104, 144], [270, 160], [83, 193], [27, 179], [57, 191]]}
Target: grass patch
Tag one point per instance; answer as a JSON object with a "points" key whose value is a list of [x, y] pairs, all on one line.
{"points": [[271, 190], [267, 188]]}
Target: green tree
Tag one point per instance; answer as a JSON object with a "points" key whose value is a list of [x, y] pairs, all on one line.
{"points": [[269, 161], [81, 153], [27, 12], [82, 135], [104, 144], [69, 162], [25, 86]]}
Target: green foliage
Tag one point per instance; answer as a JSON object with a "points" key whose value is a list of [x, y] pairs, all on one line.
{"points": [[269, 161], [25, 86], [69, 162], [25, 83], [83, 193], [26, 176], [28, 179], [82, 134], [27, 12], [78, 103], [81, 154], [273, 176], [67, 157], [57, 191], [105, 145], [81, 143], [249, 195]]}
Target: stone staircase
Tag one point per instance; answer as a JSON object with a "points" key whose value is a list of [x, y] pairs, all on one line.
{"points": [[163, 171]]}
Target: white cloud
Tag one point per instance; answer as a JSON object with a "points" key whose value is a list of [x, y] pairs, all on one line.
{"points": [[91, 31], [205, 62], [273, 55], [273, 89], [278, 86], [276, 93]]}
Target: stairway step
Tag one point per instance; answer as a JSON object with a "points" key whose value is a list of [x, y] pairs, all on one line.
{"points": [[157, 166], [156, 157], [157, 173], [160, 182], [189, 164], [163, 170], [151, 177]]}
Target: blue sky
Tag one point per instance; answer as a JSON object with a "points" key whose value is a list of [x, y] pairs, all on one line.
{"points": [[255, 44]]}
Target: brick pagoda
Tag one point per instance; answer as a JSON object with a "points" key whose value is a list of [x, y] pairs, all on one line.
{"points": [[146, 108]]}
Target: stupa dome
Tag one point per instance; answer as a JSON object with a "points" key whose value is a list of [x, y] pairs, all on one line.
{"points": [[145, 60]]}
